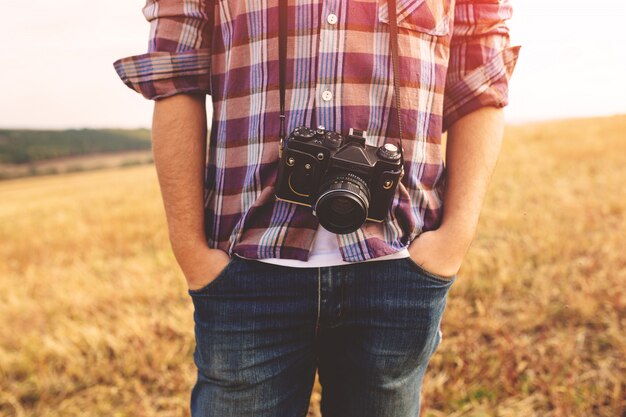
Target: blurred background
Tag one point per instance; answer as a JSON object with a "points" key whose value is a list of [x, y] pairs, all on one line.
{"points": [[94, 315], [57, 62]]}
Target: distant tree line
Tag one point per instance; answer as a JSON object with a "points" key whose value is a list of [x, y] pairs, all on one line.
{"points": [[23, 146]]}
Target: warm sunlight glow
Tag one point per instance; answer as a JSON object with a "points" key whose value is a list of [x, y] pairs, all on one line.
{"points": [[56, 62]]}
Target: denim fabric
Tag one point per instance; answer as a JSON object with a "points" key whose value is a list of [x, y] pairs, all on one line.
{"points": [[262, 330]]}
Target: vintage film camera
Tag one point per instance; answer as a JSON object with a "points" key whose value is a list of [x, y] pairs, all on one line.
{"points": [[345, 181]]}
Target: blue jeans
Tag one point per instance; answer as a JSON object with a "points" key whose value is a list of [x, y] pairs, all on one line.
{"points": [[262, 330]]}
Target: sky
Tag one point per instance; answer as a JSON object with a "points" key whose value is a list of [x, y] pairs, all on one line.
{"points": [[56, 60]]}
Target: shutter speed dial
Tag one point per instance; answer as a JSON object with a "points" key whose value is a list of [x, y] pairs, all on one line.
{"points": [[389, 151]]}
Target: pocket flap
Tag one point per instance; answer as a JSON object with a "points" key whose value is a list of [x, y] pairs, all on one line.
{"points": [[427, 16]]}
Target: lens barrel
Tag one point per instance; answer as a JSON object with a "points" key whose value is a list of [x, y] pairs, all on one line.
{"points": [[343, 203]]}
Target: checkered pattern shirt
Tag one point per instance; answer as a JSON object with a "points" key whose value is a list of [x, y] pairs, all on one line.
{"points": [[454, 59]]}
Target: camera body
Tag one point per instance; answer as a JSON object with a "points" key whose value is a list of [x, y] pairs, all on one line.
{"points": [[344, 180]]}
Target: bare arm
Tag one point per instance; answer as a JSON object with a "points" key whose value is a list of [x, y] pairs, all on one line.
{"points": [[179, 143], [474, 143], [479, 68], [472, 151]]}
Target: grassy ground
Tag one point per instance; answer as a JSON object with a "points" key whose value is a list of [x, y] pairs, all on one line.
{"points": [[95, 319]]}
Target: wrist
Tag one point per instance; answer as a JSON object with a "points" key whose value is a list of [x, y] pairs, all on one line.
{"points": [[182, 246], [190, 255], [459, 233]]}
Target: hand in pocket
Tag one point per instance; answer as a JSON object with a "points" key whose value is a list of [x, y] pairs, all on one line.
{"points": [[202, 265], [438, 252]]}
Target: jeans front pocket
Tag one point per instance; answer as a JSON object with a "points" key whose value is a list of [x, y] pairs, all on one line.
{"points": [[223, 275], [440, 279]]}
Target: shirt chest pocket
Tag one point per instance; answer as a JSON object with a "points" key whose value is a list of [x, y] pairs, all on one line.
{"points": [[427, 16]]}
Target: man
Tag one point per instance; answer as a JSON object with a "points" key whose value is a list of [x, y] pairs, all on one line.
{"points": [[276, 296]]}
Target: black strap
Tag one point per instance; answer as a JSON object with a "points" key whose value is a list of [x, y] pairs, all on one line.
{"points": [[209, 34], [393, 42], [282, 56]]}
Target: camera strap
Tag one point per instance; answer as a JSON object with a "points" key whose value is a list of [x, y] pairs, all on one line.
{"points": [[393, 42], [282, 56]]}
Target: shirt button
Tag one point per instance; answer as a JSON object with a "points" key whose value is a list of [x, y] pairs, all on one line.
{"points": [[332, 18], [327, 95]]}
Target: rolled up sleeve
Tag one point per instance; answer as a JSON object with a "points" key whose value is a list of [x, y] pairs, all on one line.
{"points": [[481, 58], [178, 59]]}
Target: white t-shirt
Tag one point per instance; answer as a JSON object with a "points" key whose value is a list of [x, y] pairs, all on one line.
{"points": [[325, 252]]}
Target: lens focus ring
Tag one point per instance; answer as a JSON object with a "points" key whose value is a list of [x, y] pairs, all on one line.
{"points": [[343, 203]]}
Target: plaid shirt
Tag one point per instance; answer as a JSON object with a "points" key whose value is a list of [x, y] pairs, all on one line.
{"points": [[454, 59]]}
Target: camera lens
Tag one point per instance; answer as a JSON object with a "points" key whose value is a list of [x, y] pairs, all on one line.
{"points": [[342, 204]]}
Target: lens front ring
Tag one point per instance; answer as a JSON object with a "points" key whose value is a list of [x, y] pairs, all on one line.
{"points": [[343, 204]]}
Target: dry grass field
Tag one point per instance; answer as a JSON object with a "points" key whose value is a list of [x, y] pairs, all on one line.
{"points": [[95, 319]]}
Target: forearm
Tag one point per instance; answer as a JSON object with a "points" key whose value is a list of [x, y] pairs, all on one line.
{"points": [[179, 144], [472, 150]]}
